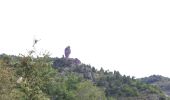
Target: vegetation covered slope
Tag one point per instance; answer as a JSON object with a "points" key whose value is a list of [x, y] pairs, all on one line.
{"points": [[162, 82], [44, 78], [114, 84], [29, 78]]}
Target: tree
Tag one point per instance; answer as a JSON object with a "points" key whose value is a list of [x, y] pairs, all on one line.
{"points": [[87, 91]]}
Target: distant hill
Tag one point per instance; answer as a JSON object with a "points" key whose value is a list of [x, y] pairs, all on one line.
{"points": [[162, 82]]}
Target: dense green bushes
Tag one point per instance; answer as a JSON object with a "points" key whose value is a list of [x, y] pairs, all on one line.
{"points": [[33, 78], [38, 78]]}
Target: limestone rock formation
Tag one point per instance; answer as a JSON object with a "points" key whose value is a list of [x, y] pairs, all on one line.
{"points": [[67, 51]]}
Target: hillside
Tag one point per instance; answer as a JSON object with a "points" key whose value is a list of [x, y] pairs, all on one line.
{"points": [[114, 84], [26, 77], [162, 82]]}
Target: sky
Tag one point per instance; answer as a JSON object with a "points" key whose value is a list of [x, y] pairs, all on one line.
{"points": [[130, 36]]}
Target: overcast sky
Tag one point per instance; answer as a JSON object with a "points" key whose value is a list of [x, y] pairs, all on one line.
{"points": [[131, 36]]}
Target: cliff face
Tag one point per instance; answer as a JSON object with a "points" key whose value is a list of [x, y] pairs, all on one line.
{"points": [[74, 65]]}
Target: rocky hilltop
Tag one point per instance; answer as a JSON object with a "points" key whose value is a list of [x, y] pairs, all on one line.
{"points": [[115, 85], [26, 77], [160, 81]]}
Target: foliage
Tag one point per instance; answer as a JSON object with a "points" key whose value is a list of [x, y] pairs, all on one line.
{"points": [[26, 77], [157, 80], [114, 84], [86, 91], [34, 78], [7, 81]]}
